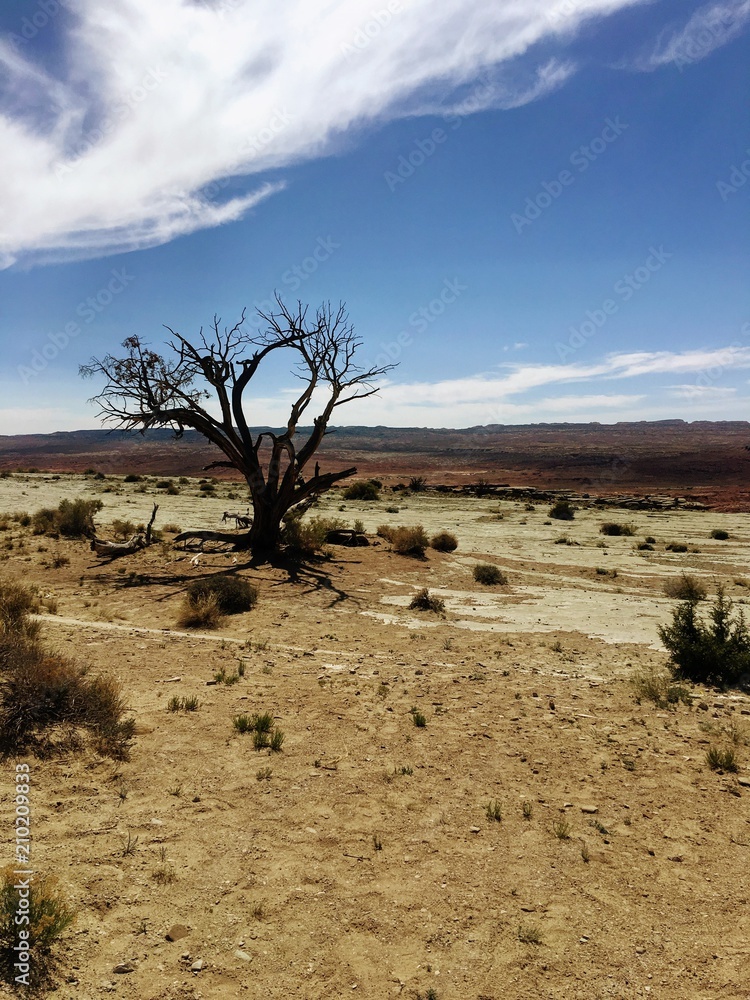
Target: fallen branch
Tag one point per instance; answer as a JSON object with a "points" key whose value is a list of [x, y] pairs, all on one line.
{"points": [[115, 550]]}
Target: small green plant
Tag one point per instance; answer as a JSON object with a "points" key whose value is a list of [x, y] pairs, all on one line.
{"points": [[494, 811], [676, 547], [263, 774], [419, 719], [599, 827], [719, 534], [417, 484], [722, 759], [377, 843], [489, 575], [404, 770], [530, 934], [585, 856], [277, 740], [424, 601], [242, 724], [527, 809], [261, 741], [562, 510], [561, 829], [444, 541], [263, 722], [628, 763], [176, 791], [657, 685]]}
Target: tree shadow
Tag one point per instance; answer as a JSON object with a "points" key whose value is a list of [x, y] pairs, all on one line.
{"points": [[309, 573]]}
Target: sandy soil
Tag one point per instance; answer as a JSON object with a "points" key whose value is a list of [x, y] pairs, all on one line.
{"points": [[364, 863]]}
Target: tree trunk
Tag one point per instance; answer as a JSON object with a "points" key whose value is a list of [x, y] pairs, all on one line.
{"points": [[265, 532]]}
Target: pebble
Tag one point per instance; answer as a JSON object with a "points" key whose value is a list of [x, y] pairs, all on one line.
{"points": [[745, 782], [198, 965], [243, 955], [124, 967], [177, 932], [640, 951], [589, 809], [475, 829]]}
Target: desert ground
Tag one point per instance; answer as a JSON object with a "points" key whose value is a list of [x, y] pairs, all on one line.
{"points": [[360, 859]]}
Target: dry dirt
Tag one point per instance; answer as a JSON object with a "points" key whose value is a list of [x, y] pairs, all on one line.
{"points": [[364, 863]]}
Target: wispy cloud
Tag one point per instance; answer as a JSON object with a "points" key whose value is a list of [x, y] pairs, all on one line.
{"points": [[159, 100], [709, 27]]}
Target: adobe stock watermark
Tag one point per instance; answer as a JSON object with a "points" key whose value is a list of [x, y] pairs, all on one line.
{"points": [[422, 149], [711, 30], [23, 874], [581, 158], [739, 175], [420, 321], [46, 11], [87, 311], [379, 18], [623, 289], [151, 81]]}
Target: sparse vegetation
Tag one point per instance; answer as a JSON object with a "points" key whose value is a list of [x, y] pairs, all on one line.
{"points": [[261, 725], [201, 611], [561, 829], [49, 916], [233, 594], [406, 541], [562, 510], [494, 811], [614, 528], [722, 759], [685, 588], [489, 575], [417, 484], [657, 685], [71, 519], [418, 718], [676, 547], [425, 601], [364, 489], [530, 934], [720, 534], [444, 541]]}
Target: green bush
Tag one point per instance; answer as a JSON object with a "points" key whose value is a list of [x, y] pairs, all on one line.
{"points": [[233, 594], [562, 510], [307, 537], [719, 534], [365, 489], [201, 611], [444, 541], [715, 653], [417, 484], [676, 547], [489, 575]]}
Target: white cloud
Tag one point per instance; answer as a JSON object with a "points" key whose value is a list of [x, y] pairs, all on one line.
{"points": [[159, 100], [708, 28]]}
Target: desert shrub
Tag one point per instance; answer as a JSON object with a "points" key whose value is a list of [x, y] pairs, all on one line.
{"points": [[200, 611], [676, 547], [417, 484], [613, 528], [562, 510], [132, 477], [444, 541], [47, 701], [123, 529], [49, 916], [650, 540], [409, 541], [307, 537], [685, 588], [717, 652], [233, 594], [171, 529], [719, 534], [385, 531], [16, 604], [725, 759], [657, 685], [72, 518], [207, 488], [364, 489], [489, 574], [424, 601], [644, 547]]}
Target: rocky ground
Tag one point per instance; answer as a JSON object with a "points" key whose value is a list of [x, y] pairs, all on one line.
{"points": [[362, 859]]}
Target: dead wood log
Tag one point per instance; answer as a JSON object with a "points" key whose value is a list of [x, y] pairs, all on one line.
{"points": [[137, 542]]}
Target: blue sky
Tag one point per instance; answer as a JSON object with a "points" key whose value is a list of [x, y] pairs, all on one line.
{"points": [[538, 209]]}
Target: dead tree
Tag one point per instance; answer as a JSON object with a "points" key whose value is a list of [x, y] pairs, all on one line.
{"points": [[135, 543], [145, 389]]}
